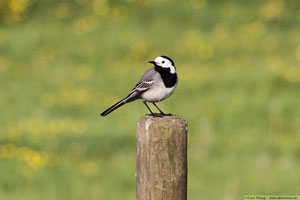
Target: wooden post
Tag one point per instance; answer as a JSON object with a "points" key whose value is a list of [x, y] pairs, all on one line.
{"points": [[161, 158]]}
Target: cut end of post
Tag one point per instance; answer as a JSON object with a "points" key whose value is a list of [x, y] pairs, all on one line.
{"points": [[170, 118]]}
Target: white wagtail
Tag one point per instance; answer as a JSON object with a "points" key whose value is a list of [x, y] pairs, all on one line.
{"points": [[155, 85]]}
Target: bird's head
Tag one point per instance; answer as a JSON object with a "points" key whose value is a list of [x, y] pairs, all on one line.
{"points": [[165, 63]]}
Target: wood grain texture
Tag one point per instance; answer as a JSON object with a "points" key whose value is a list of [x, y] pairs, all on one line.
{"points": [[161, 158]]}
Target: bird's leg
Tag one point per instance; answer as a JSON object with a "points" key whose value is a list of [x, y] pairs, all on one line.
{"points": [[148, 108], [161, 112]]}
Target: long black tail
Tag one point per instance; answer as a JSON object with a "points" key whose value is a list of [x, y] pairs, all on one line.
{"points": [[114, 107]]}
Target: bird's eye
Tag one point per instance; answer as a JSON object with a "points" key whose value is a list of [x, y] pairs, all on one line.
{"points": [[163, 62]]}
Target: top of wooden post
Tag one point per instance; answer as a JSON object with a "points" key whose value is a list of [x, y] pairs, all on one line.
{"points": [[169, 119]]}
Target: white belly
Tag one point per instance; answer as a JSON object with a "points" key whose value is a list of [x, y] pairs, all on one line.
{"points": [[157, 93]]}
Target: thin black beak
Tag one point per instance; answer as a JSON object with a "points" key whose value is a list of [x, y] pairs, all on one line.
{"points": [[152, 62]]}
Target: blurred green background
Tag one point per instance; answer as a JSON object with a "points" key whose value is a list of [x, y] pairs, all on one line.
{"points": [[63, 62]]}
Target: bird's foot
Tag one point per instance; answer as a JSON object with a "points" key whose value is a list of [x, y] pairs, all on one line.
{"points": [[155, 114], [159, 114]]}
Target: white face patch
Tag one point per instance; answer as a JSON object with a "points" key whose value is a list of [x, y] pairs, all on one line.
{"points": [[165, 63]]}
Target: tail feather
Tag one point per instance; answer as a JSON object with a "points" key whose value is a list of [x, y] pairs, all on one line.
{"points": [[131, 97], [114, 107]]}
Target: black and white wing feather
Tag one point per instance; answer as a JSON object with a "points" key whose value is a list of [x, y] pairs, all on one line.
{"points": [[142, 86]]}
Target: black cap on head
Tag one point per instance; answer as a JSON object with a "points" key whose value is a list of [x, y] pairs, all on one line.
{"points": [[169, 60]]}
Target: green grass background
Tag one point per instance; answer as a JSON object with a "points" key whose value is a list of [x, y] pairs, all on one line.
{"points": [[63, 62]]}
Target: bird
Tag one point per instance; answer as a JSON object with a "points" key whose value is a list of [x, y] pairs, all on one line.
{"points": [[157, 84]]}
